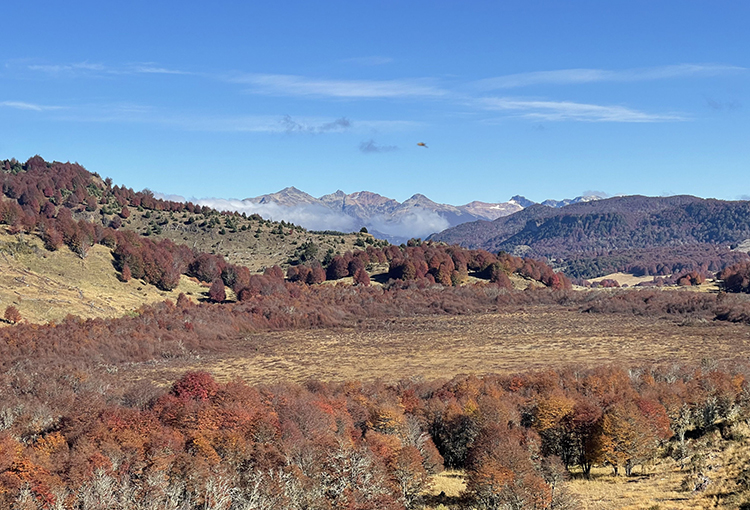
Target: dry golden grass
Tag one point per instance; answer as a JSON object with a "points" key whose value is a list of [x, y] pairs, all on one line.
{"points": [[46, 286], [521, 339], [632, 281], [450, 482], [445, 491], [657, 488], [660, 486], [624, 278], [240, 246]]}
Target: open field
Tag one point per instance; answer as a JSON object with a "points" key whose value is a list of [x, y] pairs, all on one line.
{"points": [[530, 338]]}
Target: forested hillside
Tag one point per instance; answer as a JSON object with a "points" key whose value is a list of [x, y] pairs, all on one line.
{"points": [[65, 206], [633, 233]]}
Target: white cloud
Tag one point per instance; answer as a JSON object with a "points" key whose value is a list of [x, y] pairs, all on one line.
{"points": [[576, 76], [284, 84], [21, 105], [311, 217], [568, 110], [417, 222], [171, 198], [88, 68]]}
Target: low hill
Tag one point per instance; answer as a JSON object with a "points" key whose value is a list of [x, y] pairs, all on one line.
{"points": [[635, 230], [250, 241], [47, 286], [78, 245], [44, 188]]}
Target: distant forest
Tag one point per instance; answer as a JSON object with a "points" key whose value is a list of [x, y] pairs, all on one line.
{"points": [[645, 235]]}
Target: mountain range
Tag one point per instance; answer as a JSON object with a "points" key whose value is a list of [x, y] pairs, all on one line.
{"points": [[384, 217]]}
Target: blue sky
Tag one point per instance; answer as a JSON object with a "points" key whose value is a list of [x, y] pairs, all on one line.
{"points": [[237, 99]]}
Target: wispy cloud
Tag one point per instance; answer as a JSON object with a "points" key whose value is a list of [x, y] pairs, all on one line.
{"points": [[21, 105], [135, 113], [370, 147], [291, 85], [67, 68], [153, 69], [292, 126], [89, 68], [368, 61], [577, 76], [568, 110]]}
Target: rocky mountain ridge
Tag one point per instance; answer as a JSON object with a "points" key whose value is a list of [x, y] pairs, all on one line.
{"points": [[418, 216]]}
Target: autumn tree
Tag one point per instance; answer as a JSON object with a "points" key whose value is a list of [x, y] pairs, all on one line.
{"points": [[337, 269], [125, 274], [361, 277], [409, 474], [501, 473], [217, 293], [12, 315], [317, 274]]}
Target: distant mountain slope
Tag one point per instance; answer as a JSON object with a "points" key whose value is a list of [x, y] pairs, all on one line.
{"points": [[597, 228], [385, 217]]}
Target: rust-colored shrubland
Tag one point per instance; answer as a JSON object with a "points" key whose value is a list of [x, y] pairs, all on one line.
{"points": [[71, 436]]}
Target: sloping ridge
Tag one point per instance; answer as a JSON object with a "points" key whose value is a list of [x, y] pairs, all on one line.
{"points": [[613, 223]]}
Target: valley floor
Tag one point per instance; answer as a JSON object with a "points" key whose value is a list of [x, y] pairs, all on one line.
{"points": [[522, 339]]}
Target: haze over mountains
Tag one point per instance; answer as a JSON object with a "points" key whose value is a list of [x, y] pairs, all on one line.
{"points": [[384, 217]]}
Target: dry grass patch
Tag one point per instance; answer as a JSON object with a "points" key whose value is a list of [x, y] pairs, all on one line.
{"points": [[631, 281], [661, 486], [434, 347], [46, 286], [446, 490]]}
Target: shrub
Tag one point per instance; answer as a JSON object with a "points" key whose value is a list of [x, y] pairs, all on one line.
{"points": [[12, 315]]}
